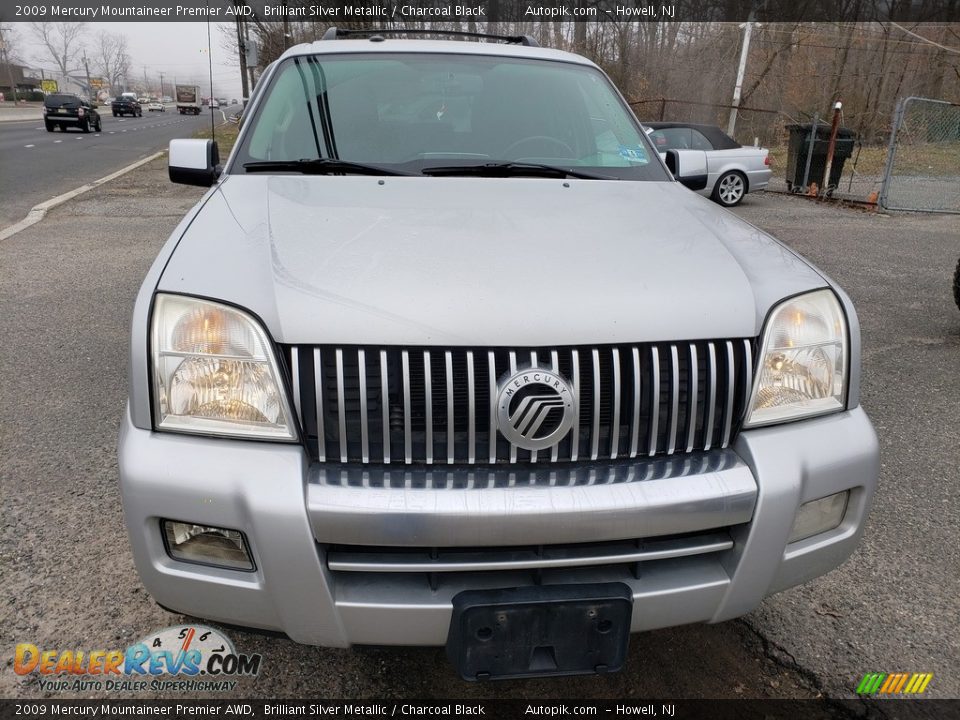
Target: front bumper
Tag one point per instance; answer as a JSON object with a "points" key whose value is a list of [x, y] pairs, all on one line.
{"points": [[297, 514]]}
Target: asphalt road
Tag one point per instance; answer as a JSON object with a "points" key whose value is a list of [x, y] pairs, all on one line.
{"points": [[38, 165], [67, 287]]}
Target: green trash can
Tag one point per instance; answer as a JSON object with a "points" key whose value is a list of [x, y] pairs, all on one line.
{"points": [[799, 147]]}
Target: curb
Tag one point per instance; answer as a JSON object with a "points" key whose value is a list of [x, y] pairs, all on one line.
{"points": [[38, 212]]}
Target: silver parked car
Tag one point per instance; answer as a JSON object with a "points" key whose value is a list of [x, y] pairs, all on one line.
{"points": [[733, 169], [446, 351]]}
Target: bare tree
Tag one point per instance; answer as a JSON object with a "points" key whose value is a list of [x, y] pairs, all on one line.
{"points": [[8, 53], [112, 59], [63, 41], [11, 42]]}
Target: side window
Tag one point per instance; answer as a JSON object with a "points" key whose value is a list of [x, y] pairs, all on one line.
{"points": [[699, 140], [671, 139]]}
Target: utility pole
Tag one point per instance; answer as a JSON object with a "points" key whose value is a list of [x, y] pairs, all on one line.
{"points": [[741, 71], [145, 88], [161, 87], [86, 67], [242, 50]]}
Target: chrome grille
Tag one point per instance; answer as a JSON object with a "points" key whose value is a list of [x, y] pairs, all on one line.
{"points": [[423, 406]]}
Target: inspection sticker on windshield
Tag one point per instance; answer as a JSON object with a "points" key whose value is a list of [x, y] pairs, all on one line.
{"points": [[634, 154]]}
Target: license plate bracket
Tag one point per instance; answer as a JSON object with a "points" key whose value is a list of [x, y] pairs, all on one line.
{"points": [[540, 631]]}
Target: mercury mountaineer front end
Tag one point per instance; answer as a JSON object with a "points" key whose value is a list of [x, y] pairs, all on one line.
{"points": [[520, 396]]}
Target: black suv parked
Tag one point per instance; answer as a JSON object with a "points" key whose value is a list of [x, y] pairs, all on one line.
{"points": [[125, 105], [64, 110]]}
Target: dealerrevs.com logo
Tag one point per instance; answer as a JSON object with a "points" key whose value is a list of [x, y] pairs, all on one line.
{"points": [[189, 658]]}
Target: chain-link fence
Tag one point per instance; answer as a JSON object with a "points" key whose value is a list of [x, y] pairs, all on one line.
{"points": [[761, 126], [923, 160]]}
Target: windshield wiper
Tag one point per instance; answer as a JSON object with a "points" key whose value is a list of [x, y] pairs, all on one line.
{"points": [[318, 166], [514, 169]]}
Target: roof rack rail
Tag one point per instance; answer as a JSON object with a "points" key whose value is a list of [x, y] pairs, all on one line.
{"points": [[335, 33]]}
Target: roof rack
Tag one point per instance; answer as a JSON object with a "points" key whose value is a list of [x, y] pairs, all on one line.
{"points": [[335, 33]]}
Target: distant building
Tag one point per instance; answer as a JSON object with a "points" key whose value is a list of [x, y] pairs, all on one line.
{"points": [[23, 78]]}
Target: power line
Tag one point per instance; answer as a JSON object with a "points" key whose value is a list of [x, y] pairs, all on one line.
{"points": [[926, 40], [874, 48]]}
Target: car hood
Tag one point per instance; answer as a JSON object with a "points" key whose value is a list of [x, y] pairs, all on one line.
{"points": [[481, 261]]}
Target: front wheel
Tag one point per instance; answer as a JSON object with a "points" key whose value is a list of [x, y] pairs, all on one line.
{"points": [[99, 126], [86, 126], [49, 126], [956, 285], [730, 189]]}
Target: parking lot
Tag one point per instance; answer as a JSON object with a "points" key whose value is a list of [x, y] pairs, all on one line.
{"points": [[67, 286]]}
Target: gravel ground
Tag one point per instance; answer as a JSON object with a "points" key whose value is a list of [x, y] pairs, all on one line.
{"points": [[67, 287]]}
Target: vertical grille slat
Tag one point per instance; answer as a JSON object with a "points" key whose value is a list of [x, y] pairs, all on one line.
{"points": [[615, 419], [318, 394], [674, 398], [492, 387], [364, 419], [654, 399], [555, 366], [712, 400], [451, 422], [513, 369], [407, 431], [385, 403], [295, 381], [533, 363], [637, 384], [731, 387], [341, 407], [692, 394], [471, 411], [426, 405], [595, 428], [575, 431]]}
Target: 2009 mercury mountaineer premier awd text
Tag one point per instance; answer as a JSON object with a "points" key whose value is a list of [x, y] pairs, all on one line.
{"points": [[448, 355]]}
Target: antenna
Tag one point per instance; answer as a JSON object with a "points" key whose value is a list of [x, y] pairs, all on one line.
{"points": [[213, 127]]}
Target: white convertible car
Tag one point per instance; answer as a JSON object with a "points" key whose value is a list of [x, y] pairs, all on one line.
{"points": [[733, 170]]}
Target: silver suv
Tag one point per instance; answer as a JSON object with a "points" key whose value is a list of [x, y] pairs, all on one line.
{"points": [[446, 356]]}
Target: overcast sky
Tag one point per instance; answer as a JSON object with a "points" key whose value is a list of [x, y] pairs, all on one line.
{"points": [[177, 49]]}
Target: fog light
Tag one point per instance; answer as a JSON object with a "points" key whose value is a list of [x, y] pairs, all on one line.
{"points": [[818, 516], [207, 545]]}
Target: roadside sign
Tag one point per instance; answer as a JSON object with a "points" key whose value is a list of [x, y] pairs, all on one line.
{"points": [[49, 86]]}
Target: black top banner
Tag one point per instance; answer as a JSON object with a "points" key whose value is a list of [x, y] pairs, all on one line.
{"points": [[401, 13]]}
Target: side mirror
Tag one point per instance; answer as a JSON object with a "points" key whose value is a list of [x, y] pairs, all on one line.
{"points": [[689, 167], [194, 162]]}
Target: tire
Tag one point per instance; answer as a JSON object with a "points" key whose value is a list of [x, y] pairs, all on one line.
{"points": [[115, 113], [99, 126], [139, 113], [50, 127], [730, 188], [956, 285], [85, 126]]}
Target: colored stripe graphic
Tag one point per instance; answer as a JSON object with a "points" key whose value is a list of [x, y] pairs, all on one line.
{"points": [[894, 683]]}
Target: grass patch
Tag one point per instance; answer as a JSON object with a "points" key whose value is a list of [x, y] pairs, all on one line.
{"points": [[226, 136]]}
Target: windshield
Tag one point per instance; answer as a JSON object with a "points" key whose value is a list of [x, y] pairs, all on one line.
{"points": [[410, 112]]}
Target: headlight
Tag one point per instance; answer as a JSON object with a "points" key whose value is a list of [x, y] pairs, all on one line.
{"points": [[214, 372], [803, 361]]}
